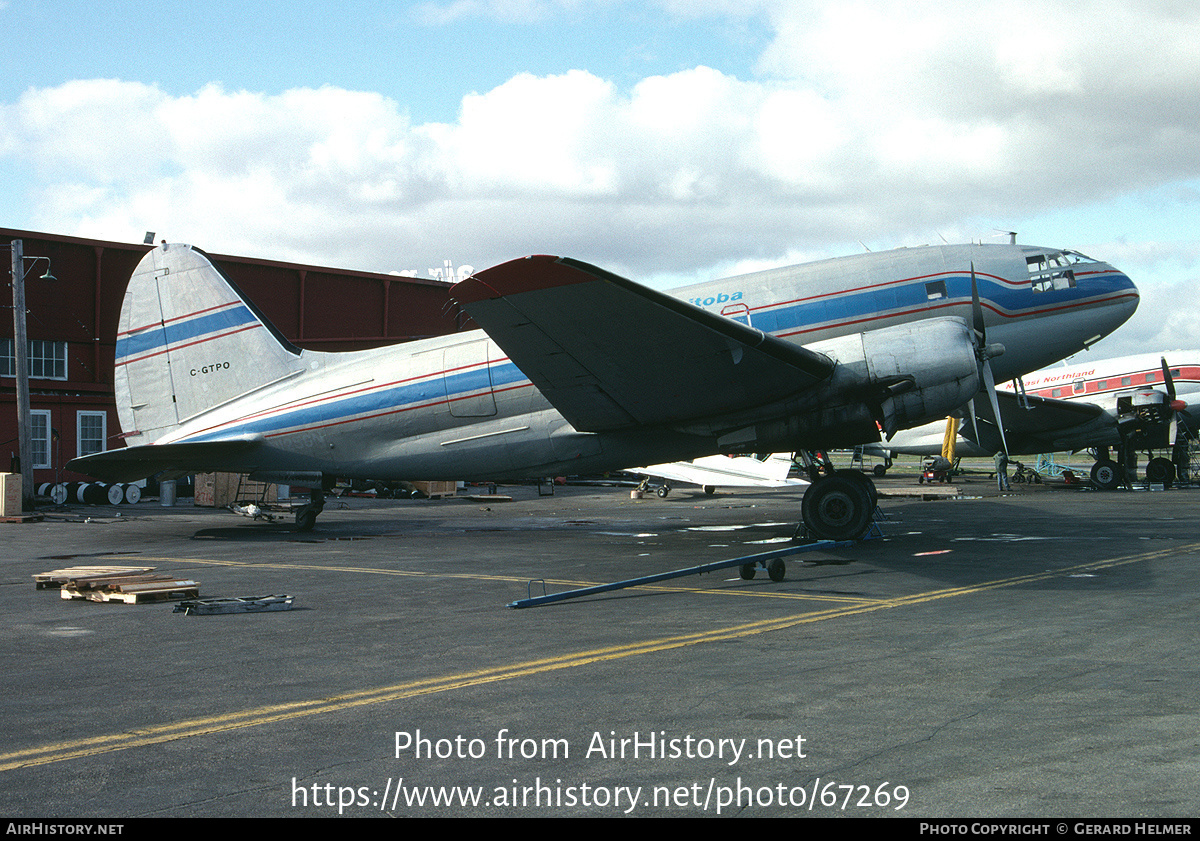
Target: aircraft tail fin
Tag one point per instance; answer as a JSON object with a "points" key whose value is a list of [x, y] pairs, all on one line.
{"points": [[188, 341]]}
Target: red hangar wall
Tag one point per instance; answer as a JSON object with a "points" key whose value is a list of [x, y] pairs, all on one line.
{"points": [[72, 326]]}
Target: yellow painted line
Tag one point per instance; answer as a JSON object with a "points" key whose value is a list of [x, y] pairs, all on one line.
{"points": [[62, 751], [562, 582]]}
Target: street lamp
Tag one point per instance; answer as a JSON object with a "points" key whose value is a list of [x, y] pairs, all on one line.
{"points": [[21, 355]]}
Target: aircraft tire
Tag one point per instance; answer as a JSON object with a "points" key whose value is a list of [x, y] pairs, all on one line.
{"points": [[865, 482], [709, 489], [777, 569], [746, 571], [879, 470], [662, 492], [1106, 475], [306, 520], [837, 508], [1160, 471]]}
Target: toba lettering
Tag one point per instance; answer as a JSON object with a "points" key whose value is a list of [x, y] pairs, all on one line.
{"points": [[720, 298]]}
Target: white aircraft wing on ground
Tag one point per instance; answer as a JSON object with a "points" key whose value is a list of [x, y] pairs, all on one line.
{"points": [[712, 472]]}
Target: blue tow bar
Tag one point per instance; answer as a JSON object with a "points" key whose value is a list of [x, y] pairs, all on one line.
{"points": [[763, 558]]}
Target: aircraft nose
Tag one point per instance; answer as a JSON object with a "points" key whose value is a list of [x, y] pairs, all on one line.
{"points": [[1134, 297], [1119, 294]]}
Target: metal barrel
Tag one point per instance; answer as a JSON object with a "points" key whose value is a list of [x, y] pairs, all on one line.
{"points": [[92, 493]]}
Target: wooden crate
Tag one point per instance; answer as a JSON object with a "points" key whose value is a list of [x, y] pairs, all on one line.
{"points": [[436, 490], [218, 490]]}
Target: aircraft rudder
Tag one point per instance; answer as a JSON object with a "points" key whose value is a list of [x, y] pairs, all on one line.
{"points": [[189, 341]]}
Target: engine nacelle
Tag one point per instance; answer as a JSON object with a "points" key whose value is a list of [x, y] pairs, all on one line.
{"points": [[914, 373]]}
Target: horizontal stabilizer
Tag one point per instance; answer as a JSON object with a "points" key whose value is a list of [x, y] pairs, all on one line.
{"points": [[611, 354], [130, 464]]}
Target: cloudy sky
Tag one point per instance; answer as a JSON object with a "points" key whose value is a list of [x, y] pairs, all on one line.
{"points": [[666, 140]]}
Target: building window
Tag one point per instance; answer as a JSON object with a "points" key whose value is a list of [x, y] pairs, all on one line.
{"points": [[91, 436], [39, 436], [47, 360]]}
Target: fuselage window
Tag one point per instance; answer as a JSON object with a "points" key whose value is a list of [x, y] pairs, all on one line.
{"points": [[1078, 387], [935, 289]]}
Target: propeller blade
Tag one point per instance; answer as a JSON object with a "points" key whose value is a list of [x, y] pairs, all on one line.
{"points": [[1170, 382], [977, 309], [985, 352], [990, 380]]}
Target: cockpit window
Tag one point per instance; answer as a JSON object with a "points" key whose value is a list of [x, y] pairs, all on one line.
{"points": [[1052, 270]]}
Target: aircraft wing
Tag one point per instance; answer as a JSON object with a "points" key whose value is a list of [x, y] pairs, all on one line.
{"points": [[1041, 427], [130, 464], [725, 472], [611, 354]]}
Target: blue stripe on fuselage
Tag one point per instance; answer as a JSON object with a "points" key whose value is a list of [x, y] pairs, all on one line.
{"points": [[438, 388], [880, 302], [164, 336]]}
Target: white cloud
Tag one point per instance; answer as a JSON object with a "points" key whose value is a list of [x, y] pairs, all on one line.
{"points": [[869, 121]]}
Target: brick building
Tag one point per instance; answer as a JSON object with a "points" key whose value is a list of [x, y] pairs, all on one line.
{"points": [[72, 326]]}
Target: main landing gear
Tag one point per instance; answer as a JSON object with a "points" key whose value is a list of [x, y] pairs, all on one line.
{"points": [[839, 506], [835, 507]]}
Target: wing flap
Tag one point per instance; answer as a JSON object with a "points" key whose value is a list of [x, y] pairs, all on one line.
{"points": [[610, 354]]}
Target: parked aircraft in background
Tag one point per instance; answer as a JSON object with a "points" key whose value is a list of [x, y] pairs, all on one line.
{"points": [[583, 371], [1132, 403], [712, 472]]}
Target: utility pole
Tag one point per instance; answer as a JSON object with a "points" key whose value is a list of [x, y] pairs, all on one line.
{"points": [[21, 354]]}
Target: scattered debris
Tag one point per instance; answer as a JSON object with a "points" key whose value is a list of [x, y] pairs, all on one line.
{"points": [[241, 604], [254, 512]]}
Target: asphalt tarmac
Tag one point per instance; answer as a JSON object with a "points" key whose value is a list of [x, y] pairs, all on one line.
{"points": [[1027, 655]]}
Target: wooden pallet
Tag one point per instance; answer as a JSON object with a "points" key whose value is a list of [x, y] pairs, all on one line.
{"points": [[55, 578], [23, 518], [140, 588]]}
